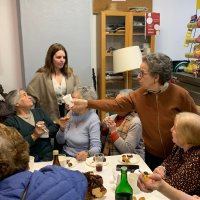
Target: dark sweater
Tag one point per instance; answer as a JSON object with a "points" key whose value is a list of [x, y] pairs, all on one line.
{"points": [[41, 148]]}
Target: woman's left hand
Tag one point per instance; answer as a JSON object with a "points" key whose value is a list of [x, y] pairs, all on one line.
{"points": [[82, 155]]}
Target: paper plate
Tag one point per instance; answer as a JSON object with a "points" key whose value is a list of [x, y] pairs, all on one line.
{"points": [[135, 159], [71, 162]]}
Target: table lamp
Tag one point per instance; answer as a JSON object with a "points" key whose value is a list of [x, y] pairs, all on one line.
{"points": [[126, 59]]}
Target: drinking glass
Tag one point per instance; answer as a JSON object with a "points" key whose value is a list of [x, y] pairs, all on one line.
{"points": [[99, 158]]}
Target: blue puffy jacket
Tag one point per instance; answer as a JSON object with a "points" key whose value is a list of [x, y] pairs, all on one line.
{"points": [[49, 183]]}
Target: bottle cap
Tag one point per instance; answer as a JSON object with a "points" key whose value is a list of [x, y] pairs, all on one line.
{"points": [[124, 168], [55, 152]]}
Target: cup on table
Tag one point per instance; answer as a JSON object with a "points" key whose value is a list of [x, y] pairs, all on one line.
{"points": [[62, 160], [98, 159], [31, 163]]}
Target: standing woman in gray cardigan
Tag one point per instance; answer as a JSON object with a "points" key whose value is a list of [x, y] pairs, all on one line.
{"points": [[51, 82]]}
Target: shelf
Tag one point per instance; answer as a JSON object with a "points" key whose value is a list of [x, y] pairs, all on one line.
{"points": [[109, 54], [193, 40], [130, 32], [194, 25], [139, 34], [115, 34], [192, 55], [111, 80]]}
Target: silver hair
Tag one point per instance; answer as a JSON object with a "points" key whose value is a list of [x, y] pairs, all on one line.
{"points": [[12, 98], [86, 92], [160, 64]]}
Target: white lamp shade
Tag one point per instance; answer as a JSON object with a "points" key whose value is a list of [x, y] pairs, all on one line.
{"points": [[126, 59]]}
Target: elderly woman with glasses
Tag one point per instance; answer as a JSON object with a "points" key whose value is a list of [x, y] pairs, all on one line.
{"points": [[81, 133], [157, 102], [35, 126]]}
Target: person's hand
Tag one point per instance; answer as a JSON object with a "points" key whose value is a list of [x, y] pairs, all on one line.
{"points": [[79, 104], [40, 128], [105, 122], [63, 121], [81, 156], [196, 197], [160, 170], [153, 182], [111, 125]]}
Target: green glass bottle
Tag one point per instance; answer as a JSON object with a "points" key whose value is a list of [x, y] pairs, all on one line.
{"points": [[124, 191]]}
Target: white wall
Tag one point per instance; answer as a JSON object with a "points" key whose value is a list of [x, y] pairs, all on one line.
{"points": [[175, 14], [44, 22], [10, 63]]}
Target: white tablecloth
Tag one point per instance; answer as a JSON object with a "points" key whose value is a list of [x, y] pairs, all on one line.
{"points": [[107, 175]]}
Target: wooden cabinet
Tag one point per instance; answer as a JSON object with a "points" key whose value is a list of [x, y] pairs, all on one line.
{"points": [[115, 30]]}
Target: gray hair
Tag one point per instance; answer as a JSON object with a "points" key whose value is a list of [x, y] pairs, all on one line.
{"points": [[86, 92], [12, 98], [160, 64]]}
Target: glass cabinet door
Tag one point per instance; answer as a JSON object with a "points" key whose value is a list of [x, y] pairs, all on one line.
{"points": [[118, 30], [138, 37], [115, 39]]}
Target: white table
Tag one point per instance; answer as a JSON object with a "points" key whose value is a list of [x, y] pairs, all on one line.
{"points": [[107, 177]]}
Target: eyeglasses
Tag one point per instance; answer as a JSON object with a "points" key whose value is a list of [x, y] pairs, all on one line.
{"points": [[142, 73]]}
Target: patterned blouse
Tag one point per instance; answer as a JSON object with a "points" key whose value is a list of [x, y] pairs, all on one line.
{"points": [[183, 169]]}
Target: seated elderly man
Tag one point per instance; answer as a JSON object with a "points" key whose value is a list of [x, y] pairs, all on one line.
{"points": [[34, 125], [51, 182]]}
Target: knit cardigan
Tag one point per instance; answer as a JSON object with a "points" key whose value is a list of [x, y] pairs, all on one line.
{"points": [[42, 90], [41, 148]]}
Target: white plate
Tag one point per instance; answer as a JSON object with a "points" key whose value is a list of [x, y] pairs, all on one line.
{"points": [[71, 160], [135, 159], [90, 162]]}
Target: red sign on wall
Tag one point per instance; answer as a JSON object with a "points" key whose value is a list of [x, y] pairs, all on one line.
{"points": [[152, 23]]}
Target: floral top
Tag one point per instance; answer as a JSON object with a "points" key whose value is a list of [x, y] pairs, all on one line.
{"points": [[183, 169]]}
